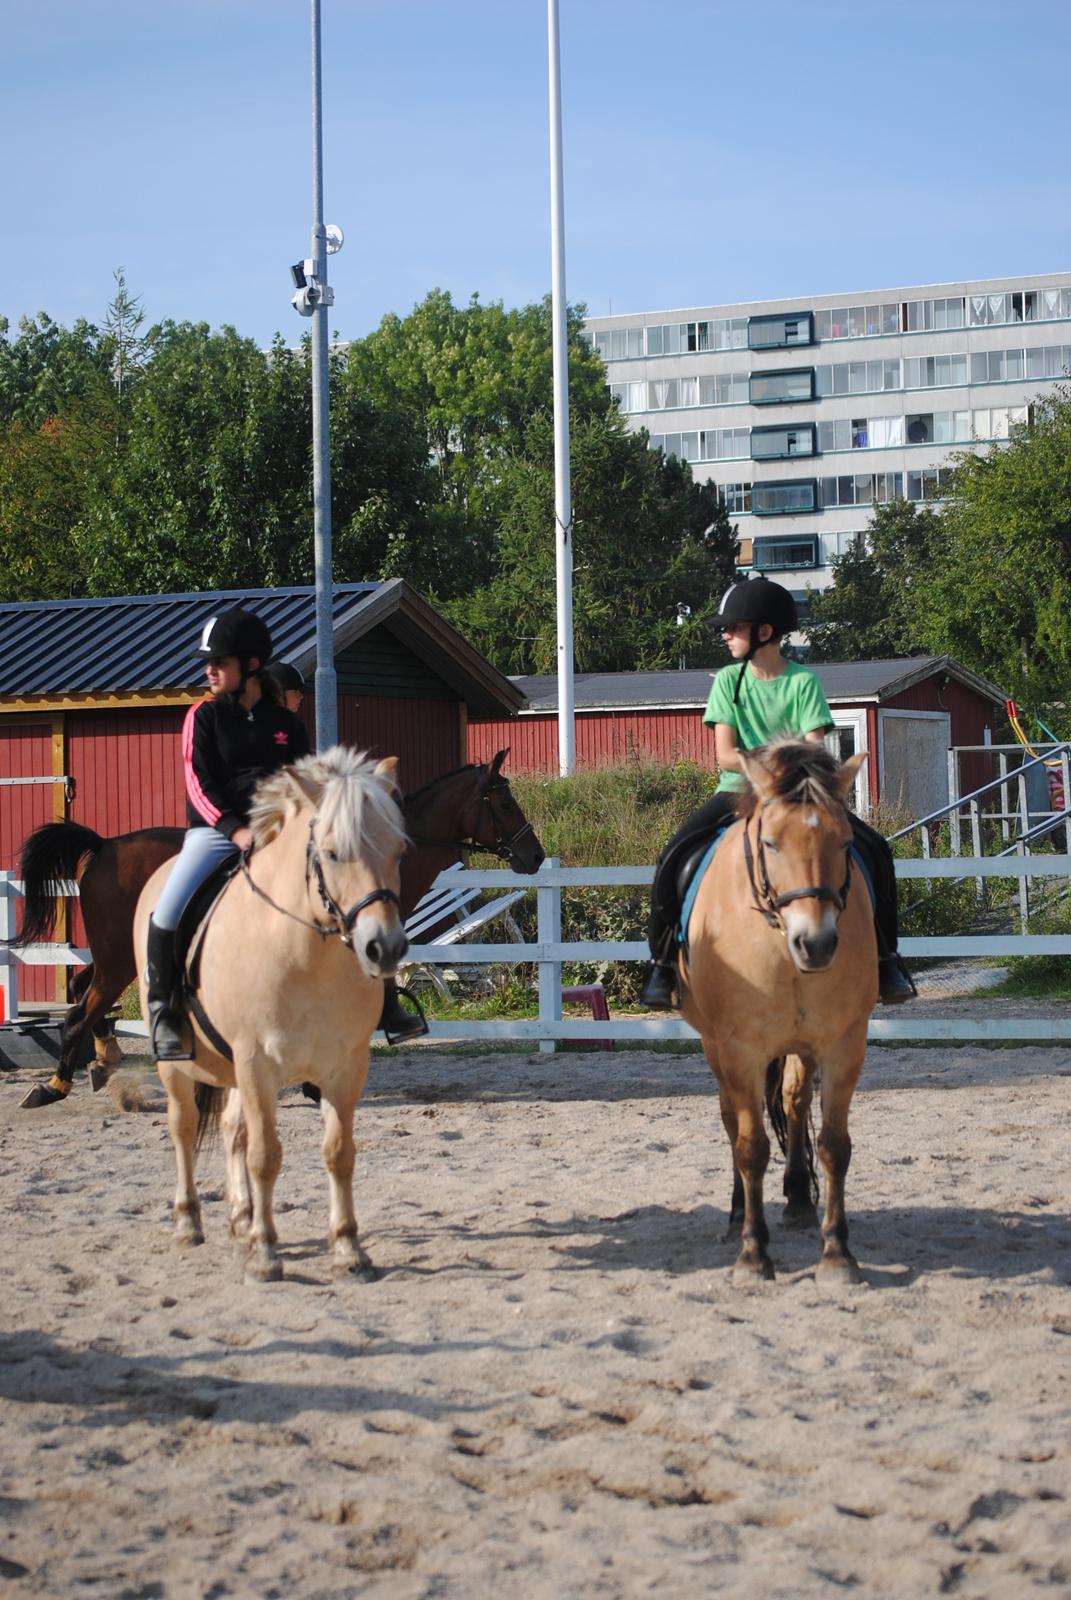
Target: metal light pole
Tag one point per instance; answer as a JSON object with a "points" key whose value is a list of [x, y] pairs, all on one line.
{"points": [[563, 510], [325, 682]]}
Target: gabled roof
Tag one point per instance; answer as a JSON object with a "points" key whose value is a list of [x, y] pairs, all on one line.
{"points": [[844, 682], [141, 643]]}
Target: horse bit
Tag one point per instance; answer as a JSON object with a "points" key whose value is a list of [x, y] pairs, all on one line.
{"points": [[766, 902], [343, 921]]}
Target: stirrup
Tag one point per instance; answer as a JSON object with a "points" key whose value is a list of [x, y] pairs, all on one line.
{"points": [[399, 1024], [165, 1036]]}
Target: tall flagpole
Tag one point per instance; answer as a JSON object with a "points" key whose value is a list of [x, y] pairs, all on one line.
{"points": [[563, 510]]}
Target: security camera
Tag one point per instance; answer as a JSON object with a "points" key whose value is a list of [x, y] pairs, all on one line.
{"points": [[297, 272]]}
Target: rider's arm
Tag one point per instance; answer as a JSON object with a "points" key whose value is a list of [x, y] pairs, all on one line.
{"points": [[726, 749], [205, 788]]}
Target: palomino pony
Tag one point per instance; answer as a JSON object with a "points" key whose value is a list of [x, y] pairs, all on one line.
{"points": [[470, 808], [782, 972], [290, 963]]}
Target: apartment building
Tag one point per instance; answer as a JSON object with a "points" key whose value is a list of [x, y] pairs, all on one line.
{"points": [[809, 412]]}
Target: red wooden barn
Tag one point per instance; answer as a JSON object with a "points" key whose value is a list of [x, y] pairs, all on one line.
{"points": [[905, 713], [93, 693]]}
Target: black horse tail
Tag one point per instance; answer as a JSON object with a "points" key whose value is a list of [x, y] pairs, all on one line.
{"points": [[49, 855], [210, 1100], [775, 1110]]}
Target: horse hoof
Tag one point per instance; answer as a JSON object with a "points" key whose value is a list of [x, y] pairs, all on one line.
{"points": [[354, 1264], [838, 1272], [263, 1267], [187, 1237], [800, 1218], [40, 1095], [749, 1269], [99, 1074], [108, 1052], [240, 1226]]}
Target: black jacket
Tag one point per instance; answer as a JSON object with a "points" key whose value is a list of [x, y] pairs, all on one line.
{"points": [[226, 750]]}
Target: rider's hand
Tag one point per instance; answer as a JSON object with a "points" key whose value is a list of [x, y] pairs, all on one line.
{"points": [[242, 837]]}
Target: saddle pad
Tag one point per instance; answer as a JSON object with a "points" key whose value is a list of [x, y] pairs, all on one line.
{"points": [[688, 903]]}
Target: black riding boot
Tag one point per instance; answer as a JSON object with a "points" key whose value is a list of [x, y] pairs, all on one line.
{"points": [[398, 1023], [165, 1021], [660, 992], [895, 984]]}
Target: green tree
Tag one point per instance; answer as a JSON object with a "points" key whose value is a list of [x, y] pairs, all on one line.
{"points": [[872, 609], [646, 539], [999, 589]]}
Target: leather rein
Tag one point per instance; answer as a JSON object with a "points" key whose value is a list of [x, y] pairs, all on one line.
{"points": [[342, 922], [769, 905]]}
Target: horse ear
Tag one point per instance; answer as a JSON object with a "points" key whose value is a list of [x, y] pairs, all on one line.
{"points": [[304, 787], [754, 769], [498, 762], [846, 774], [388, 770]]}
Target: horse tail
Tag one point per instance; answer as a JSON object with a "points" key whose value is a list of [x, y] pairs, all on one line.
{"points": [[775, 1110], [210, 1101], [51, 854]]}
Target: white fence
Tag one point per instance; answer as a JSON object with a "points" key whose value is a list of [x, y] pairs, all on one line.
{"points": [[549, 952]]}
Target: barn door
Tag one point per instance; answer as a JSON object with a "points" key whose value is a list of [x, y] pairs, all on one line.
{"points": [[32, 792]]}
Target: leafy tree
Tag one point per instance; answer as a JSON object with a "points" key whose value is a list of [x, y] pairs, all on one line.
{"points": [[873, 608], [124, 343], [998, 594], [645, 540], [47, 370]]}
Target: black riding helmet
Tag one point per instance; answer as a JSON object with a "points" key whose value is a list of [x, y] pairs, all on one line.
{"points": [[753, 602], [239, 633], [285, 676]]}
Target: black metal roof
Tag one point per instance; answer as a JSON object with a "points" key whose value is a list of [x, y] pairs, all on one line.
{"points": [[844, 682], [140, 643]]}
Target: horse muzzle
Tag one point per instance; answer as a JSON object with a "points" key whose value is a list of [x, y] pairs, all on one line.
{"points": [[813, 947], [381, 949]]}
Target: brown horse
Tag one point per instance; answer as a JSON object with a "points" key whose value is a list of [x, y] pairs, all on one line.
{"points": [[292, 961], [782, 969], [470, 808]]}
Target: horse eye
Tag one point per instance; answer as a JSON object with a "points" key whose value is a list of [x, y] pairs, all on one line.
{"points": [[331, 855], [772, 845]]}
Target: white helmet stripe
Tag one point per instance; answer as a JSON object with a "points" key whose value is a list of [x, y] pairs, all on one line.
{"points": [[206, 633]]}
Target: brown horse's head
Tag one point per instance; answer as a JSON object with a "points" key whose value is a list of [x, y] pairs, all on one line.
{"points": [[800, 836], [501, 826]]}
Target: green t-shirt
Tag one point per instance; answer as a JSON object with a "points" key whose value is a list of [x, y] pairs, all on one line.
{"points": [[793, 703]]}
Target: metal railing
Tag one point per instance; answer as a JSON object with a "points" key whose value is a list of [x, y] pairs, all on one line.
{"points": [[549, 953]]}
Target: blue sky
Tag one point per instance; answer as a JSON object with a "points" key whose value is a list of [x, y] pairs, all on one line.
{"points": [[714, 151]]}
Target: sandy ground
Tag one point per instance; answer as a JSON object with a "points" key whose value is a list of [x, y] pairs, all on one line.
{"points": [[551, 1389]]}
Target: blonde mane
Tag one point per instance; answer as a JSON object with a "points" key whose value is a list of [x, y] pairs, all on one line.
{"points": [[802, 773], [352, 801]]}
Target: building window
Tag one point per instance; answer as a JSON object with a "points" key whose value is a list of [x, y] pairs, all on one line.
{"points": [[857, 377], [774, 388], [778, 332], [858, 322], [775, 444], [737, 497], [781, 555], [784, 499], [935, 372]]}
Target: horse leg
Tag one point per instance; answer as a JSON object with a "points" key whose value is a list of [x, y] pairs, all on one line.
{"points": [[239, 1194], [182, 1117], [736, 1203], [338, 1104], [71, 1046], [837, 1265], [741, 1087], [799, 1185], [264, 1157]]}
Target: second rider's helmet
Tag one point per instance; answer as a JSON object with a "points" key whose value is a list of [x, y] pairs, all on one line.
{"points": [[285, 676]]}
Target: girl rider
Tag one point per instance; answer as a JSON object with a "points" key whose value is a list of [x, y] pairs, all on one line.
{"points": [[749, 705], [229, 742]]}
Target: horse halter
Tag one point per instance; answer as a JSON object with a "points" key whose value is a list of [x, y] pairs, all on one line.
{"points": [[770, 905], [502, 847]]}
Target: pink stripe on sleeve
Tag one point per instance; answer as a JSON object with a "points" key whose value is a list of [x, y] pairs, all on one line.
{"points": [[198, 799]]}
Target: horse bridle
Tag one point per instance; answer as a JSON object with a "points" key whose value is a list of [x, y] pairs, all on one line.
{"points": [[770, 905], [342, 922], [502, 848]]}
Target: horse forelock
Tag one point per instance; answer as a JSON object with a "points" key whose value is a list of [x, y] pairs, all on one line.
{"points": [[352, 802], [801, 772]]}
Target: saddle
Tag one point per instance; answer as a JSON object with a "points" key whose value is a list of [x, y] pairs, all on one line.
{"points": [[189, 942]]}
